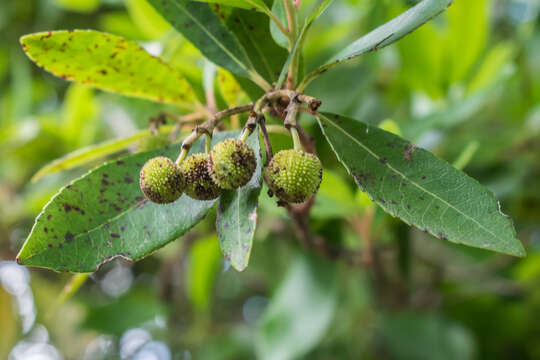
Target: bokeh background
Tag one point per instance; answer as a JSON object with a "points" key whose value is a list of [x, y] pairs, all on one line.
{"points": [[466, 86]]}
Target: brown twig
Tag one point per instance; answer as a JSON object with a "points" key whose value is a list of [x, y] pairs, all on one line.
{"points": [[180, 121], [307, 141], [208, 127], [266, 140]]}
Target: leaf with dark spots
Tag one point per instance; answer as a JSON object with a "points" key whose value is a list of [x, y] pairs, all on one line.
{"points": [[142, 226], [82, 61], [69, 237], [451, 205], [237, 215]]}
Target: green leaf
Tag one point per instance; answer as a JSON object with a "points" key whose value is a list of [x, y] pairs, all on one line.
{"points": [[422, 190], [237, 215], [103, 215], [202, 27], [253, 32], [384, 35], [245, 4], [300, 311], [107, 62], [88, 154]]}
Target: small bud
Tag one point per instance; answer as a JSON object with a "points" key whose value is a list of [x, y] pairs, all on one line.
{"points": [[161, 181], [294, 176], [231, 163], [199, 183]]}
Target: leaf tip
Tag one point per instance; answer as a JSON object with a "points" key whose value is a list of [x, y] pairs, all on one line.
{"points": [[239, 267], [520, 250]]}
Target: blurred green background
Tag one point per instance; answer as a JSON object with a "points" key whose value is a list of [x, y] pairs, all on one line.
{"points": [[466, 86]]}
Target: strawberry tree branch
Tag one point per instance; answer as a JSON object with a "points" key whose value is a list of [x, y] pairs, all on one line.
{"points": [[207, 127], [278, 98], [266, 140]]}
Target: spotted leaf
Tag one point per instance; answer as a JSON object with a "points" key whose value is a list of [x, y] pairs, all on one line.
{"points": [[103, 215], [107, 62], [237, 215], [422, 190]]}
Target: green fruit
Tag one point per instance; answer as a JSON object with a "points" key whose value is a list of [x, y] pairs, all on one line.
{"points": [[231, 163], [152, 142], [161, 180], [199, 183], [294, 176]]}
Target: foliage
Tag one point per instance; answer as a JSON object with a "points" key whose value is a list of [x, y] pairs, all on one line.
{"points": [[438, 117]]}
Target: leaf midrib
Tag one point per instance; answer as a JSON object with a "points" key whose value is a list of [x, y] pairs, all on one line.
{"points": [[194, 19], [410, 180], [259, 51]]}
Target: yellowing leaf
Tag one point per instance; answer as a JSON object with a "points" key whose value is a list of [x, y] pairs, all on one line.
{"points": [[107, 62]]}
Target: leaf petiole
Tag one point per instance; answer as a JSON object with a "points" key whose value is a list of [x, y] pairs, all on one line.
{"points": [[208, 143], [296, 139]]}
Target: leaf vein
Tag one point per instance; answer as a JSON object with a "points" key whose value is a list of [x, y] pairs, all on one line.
{"points": [[435, 196]]}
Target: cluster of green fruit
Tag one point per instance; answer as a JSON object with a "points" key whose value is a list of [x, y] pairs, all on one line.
{"points": [[293, 175]]}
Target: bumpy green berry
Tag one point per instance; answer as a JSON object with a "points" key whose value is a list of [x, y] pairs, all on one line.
{"points": [[231, 163], [152, 142], [294, 176], [161, 180], [199, 183]]}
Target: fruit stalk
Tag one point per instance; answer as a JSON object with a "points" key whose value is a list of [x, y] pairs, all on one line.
{"points": [[208, 127], [255, 117]]}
